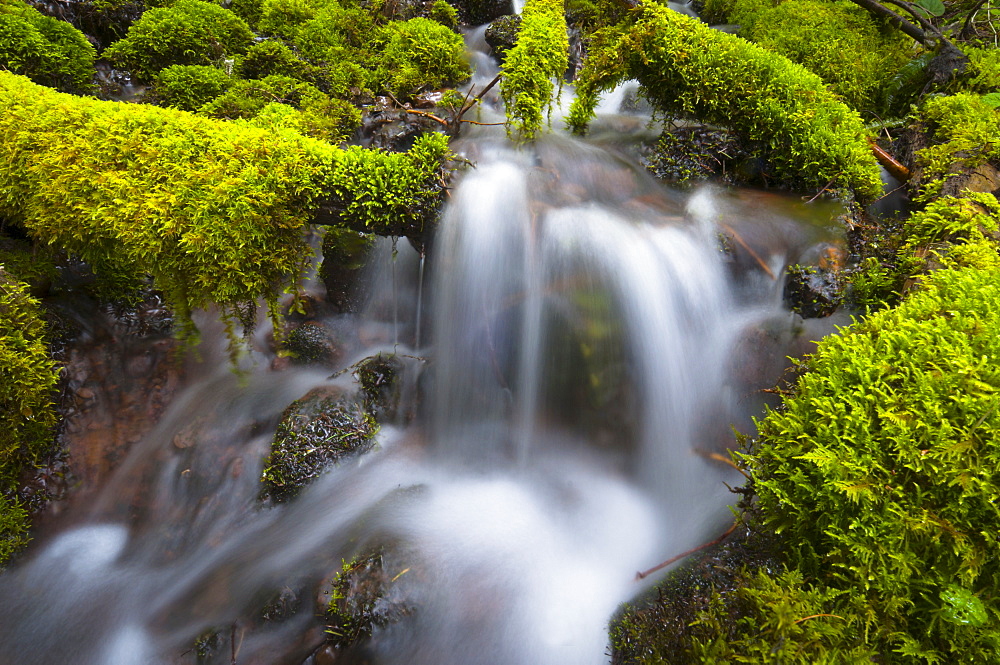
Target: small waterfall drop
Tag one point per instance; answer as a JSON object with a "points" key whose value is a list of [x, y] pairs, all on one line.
{"points": [[582, 328]]}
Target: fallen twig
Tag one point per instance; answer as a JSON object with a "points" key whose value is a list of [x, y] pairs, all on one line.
{"points": [[647, 573]]}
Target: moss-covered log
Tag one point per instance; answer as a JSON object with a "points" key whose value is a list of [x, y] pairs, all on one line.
{"points": [[687, 68], [213, 210]]}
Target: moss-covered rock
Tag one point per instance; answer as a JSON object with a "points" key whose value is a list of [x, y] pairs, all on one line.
{"points": [[391, 194], [45, 49], [881, 471], [837, 40], [533, 69], [189, 87], [502, 34], [809, 137], [965, 138], [418, 53], [188, 32], [315, 432], [444, 13]]}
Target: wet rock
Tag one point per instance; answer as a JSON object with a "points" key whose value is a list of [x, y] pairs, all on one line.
{"points": [[311, 344], [478, 12], [317, 431], [695, 154], [345, 253], [502, 34], [812, 292], [381, 384], [102, 23], [359, 599]]}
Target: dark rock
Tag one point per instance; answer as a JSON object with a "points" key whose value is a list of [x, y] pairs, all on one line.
{"points": [[361, 598], [696, 154], [478, 12], [101, 23], [311, 344], [502, 34], [345, 253], [315, 432], [381, 384], [812, 292]]}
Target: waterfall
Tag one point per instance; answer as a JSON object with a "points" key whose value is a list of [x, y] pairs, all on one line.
{"points": [[583, 324]]}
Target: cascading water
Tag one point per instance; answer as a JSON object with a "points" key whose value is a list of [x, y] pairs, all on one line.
{"points": [[582, 330]]}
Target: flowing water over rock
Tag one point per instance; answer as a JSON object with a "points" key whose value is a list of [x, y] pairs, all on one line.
{"points": [[587, 344]]}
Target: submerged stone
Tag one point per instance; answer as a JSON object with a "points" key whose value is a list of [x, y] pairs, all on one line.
{"points": [[812, 292]]}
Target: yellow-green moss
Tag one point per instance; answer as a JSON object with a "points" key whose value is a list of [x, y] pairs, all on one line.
{"points": [[187, 32], [881, 470], [418, 53], [189, 87], [213, 210], [27, 412], [45, 49], [687, 68], [837, 40], [966, 133], [532, 68]]}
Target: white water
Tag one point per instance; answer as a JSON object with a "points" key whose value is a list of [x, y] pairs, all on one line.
{"points": [[583, 328]]}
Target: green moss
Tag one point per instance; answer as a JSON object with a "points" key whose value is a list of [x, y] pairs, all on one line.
{"points": [[881, 470], [741, 12], [530, 68], [27, 412], [444, 13], [685, 67], [419, 53], [839, 41], [45, 49], [189, 87], [966, 132], [286, 102], [953, 219], [273, 57], [391, 194], [248, 10], [781, 619], [983, 72], [244, 99], [188, 32], [213, 210]]}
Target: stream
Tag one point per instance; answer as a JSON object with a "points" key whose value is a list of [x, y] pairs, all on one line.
{"points": [[579, 345]]}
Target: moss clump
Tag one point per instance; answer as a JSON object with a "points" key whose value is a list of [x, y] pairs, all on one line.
{"points": [[839, 41], [27, 412], [966, 132], [281, 101], [810, 138], [214, 211], [188, 32], [392, 194], [315, 432], [778, 619], [881, 471], [189, 87], [983, 73], [539, 58], [444, 13], [46, 50], [273, 57], [419, 53]]}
